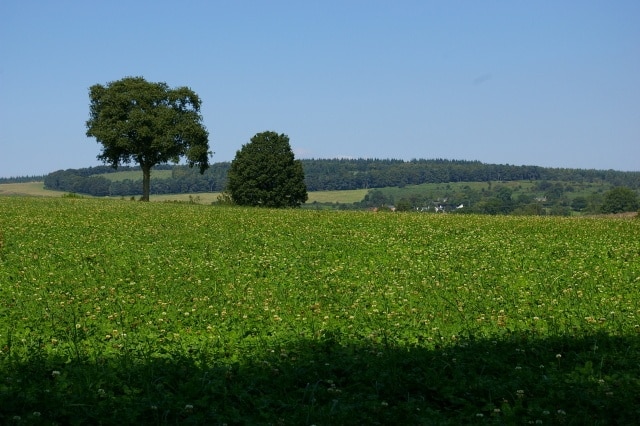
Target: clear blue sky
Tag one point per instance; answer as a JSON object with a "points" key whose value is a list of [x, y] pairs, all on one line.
{"points": [[549, 83]]}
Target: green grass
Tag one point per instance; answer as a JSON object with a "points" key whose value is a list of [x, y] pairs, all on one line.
{"points": [[114, 312], [197, 198], [347, 197]]}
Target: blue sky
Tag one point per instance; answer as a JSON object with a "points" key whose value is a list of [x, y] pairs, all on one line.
{"points": [[549, 83]]}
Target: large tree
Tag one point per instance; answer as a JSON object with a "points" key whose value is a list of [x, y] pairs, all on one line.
{"points": [[265, 173], [620, 199], [148, 124]]}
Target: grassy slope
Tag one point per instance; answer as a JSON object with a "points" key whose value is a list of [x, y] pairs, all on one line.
{"points": [[37, 189], [29, 189], [165, 314]]}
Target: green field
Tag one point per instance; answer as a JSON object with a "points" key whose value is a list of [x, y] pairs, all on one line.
{"points": [[349, 196], [114, 312]]}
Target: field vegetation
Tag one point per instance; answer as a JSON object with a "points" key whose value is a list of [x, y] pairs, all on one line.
{"points": [[35, 189], [114, 312]]}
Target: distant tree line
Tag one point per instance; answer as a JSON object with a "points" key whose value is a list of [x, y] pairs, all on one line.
{"points": [[335, 174], [340, 174], [22, 179], [92, 181]]}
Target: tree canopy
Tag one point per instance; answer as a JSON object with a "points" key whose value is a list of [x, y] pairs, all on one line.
{"points": [[148, 124], [619, 200], [265, 173]]}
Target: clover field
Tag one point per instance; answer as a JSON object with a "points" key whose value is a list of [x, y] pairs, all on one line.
{"points": [[119, 312]]}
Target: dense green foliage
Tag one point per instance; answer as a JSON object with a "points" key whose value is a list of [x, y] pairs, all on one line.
{"points": [[148, 124], [516, 197], [114, 312], [339, 174], [619, 200], [322, 175], [265, 173], [95, 181]]}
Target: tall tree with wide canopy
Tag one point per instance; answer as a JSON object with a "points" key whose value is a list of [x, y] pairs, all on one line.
{"points": [[265, 173], [148, 124]]}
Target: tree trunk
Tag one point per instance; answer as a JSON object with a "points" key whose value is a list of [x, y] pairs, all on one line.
{"points": [[146, 181]]}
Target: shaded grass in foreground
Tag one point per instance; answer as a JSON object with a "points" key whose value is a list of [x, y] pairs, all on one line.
{"points": [[516, 379]]}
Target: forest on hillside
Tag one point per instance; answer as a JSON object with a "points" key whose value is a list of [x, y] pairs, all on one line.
{"points": [[333, 174]]}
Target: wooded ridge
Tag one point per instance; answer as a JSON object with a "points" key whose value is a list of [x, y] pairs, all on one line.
{"points": [[332, 174]]}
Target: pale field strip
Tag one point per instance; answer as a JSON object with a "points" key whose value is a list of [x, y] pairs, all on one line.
{"points": [[36, 189]]}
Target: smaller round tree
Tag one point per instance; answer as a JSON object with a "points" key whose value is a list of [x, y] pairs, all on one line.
{"points": [[265, 173]]}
